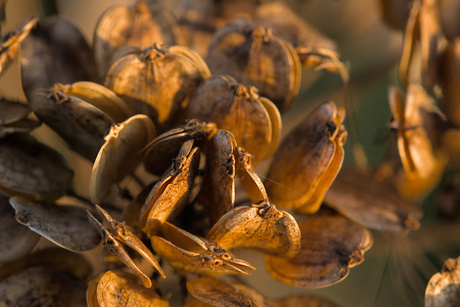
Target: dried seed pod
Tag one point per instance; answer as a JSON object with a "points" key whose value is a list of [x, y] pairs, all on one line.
{"points": [[118, 288], [331, 245], [31, 168], [120, 154], [308, 160], [80, 124], [248, 176], [137, 25], [443, 288], [44, 286], [170, 194], [66, 226], [15, 239], [259, 226], [374, 204], [256, 57], [164, 148], [165, 80], [98, 96], [11, 41], [253, 120], [189, 253], [396, 12], [13, 118], [450, 81], [55, 51]]}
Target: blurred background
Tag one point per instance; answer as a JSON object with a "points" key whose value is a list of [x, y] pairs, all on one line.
{"points": [[397, 268]]}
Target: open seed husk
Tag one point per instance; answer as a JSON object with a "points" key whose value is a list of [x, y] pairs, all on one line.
{"points": [[308, 160], [120, 154], [118, 288], [44, 286], [79, 123], [331, 245], [253, 120], [260, 226], [13, 118], [358, 195], [164, 83], [443, 288], [15, 239], [256, 57], [31, 168], [55, 51], [66, 226]]}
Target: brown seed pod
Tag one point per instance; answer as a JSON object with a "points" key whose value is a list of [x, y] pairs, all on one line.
{"points": [[260, 226], [189, 253], [15, 239], [44, 286], [256, 57], [55, 51], [120, 154], [13, 118], [80, 124], [308, 160], [66, 226], [249, 179], [253, 120], [443, 288], [165, 147], [170, 194], [396, 12], [374, 204], [331, 245], [159, 77], [31, 168], [118, 288], [139, 25], [11, 42]]}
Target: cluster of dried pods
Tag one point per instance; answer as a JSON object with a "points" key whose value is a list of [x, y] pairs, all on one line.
{"points": [[186, 107]]}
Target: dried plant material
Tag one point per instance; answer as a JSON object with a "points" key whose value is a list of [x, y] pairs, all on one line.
{"points": [[238, 109], [79, 123], [126, 234], [450, 83], [118, 288], [66, 226], [217, 194], [443, 288], [120, 154], [165, 147], [11, 42], [191, 254], [170, 194], [448, 10], [21, 126], [58, 258], [451, 144], [98, 96], [358, 195], [256, 57], [260, 226], [11, 111], [396, 12], [159, 77], [331, 245], [43, 286], [413, 126], [137, 25], [31, 168], [15, 239], [308, 160], [55, 51], [248, 176], [91, 292], [116, 249]]}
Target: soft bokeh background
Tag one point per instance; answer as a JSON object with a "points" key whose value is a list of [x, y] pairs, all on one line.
{"points": [[396, 270]]}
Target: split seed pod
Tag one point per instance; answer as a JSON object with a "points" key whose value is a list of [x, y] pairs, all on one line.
{"points": [[13, 118], [254, 121], [137, 25], [55, 51], [308, 160], [260, 226], [443, 288], [159, 77], [331, 245], [256, 57], [189, 253], [66, 226], [120, 154]]}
